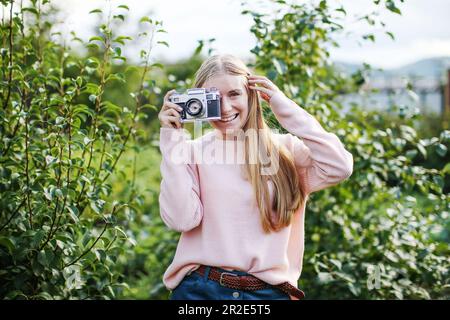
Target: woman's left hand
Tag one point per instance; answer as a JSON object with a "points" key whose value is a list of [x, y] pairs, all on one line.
{"points": [[266, 87]]}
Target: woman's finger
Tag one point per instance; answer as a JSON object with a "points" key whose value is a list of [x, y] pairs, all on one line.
{"points": [[262, 89], [172, 112], [266, 94], [170, 105], [264, 82], [174, 121], [174, 106], [256, 76], [168, 94]]}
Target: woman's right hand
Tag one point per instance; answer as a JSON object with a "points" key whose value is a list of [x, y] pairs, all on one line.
{"points": [[169, 117]]}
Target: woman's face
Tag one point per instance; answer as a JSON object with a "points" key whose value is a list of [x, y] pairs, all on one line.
{"points": [[233, 101]]}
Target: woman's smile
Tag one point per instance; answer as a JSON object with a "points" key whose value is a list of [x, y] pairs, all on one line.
{"points": [[228, 119]]}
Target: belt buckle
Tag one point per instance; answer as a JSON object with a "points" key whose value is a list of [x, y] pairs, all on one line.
{"points": [[221, 277]]}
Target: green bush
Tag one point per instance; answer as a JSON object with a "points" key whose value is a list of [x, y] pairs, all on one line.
{"points": [[384, 232], [61, 141]]}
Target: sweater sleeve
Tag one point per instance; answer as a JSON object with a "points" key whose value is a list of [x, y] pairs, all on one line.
{"points": [[320, 157], [180, 204]]}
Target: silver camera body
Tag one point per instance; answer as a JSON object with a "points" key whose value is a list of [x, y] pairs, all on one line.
{"points": [[198, 104]]}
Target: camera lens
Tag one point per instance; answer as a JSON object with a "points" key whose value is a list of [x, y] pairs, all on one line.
{"points": [[194, 107]]}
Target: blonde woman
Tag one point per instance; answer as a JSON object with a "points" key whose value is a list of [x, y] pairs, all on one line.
{"points": [[242, 221]]}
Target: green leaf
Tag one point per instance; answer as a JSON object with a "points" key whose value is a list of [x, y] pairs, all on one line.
{"points": [[445, 136], [97, 205], [92, 46], [199, 47], [439, 181], [116, 76], [279, 65], [390, 34], [371, 37], [344, 277], [86, 238], [121, 232], [446, 169], [411, 154], [92, 62], [354, 289], [132, 241], [30, 9], [337, 263], [44, 296], [37, 238], [48, 194], [95, 11], [92, 98], [163, 43], [73, 213], [119, 16], [87, 140], [441, 149], [79, 81], [398, 294], [341, 9], [146, 19], [390, 5], [157, 65], [100, 254], [422, 150], [91, 88], [391, 256], [8, 244], [120, 39], [82, 108], [96, 38], [45, 257], [323, 5], [49, 160], [324, 277], [108, 106], [123, 7]]}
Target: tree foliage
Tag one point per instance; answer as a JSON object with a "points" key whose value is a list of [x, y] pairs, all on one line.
{"points": [[383, 233], [61, 141]]}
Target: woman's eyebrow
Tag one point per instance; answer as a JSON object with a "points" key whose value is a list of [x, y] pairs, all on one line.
{"points": [[235, 90]]}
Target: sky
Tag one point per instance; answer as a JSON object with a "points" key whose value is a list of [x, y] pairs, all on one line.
{"points": [[422, 31]]}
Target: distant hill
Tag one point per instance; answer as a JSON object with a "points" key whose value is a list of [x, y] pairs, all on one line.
{"points": [[426, 68]]}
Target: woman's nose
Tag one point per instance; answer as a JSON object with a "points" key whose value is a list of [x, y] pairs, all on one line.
{"points": [[226, 106]]}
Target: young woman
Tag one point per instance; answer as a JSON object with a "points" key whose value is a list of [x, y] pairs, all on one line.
{"points": [[241, 224]]}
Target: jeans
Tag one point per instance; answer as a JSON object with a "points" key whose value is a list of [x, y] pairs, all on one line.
{"points": [[197, 287]]}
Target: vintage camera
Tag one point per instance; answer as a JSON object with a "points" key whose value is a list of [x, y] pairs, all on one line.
{"points": [[198, 104]]}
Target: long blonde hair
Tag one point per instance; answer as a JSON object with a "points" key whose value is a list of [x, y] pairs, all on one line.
{"points": [[288, 190]]}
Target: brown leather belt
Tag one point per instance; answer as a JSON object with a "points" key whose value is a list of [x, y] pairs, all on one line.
{"points": [[250, 283]]}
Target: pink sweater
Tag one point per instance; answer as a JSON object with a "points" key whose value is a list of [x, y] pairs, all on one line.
{"points": [[215, 209]]}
